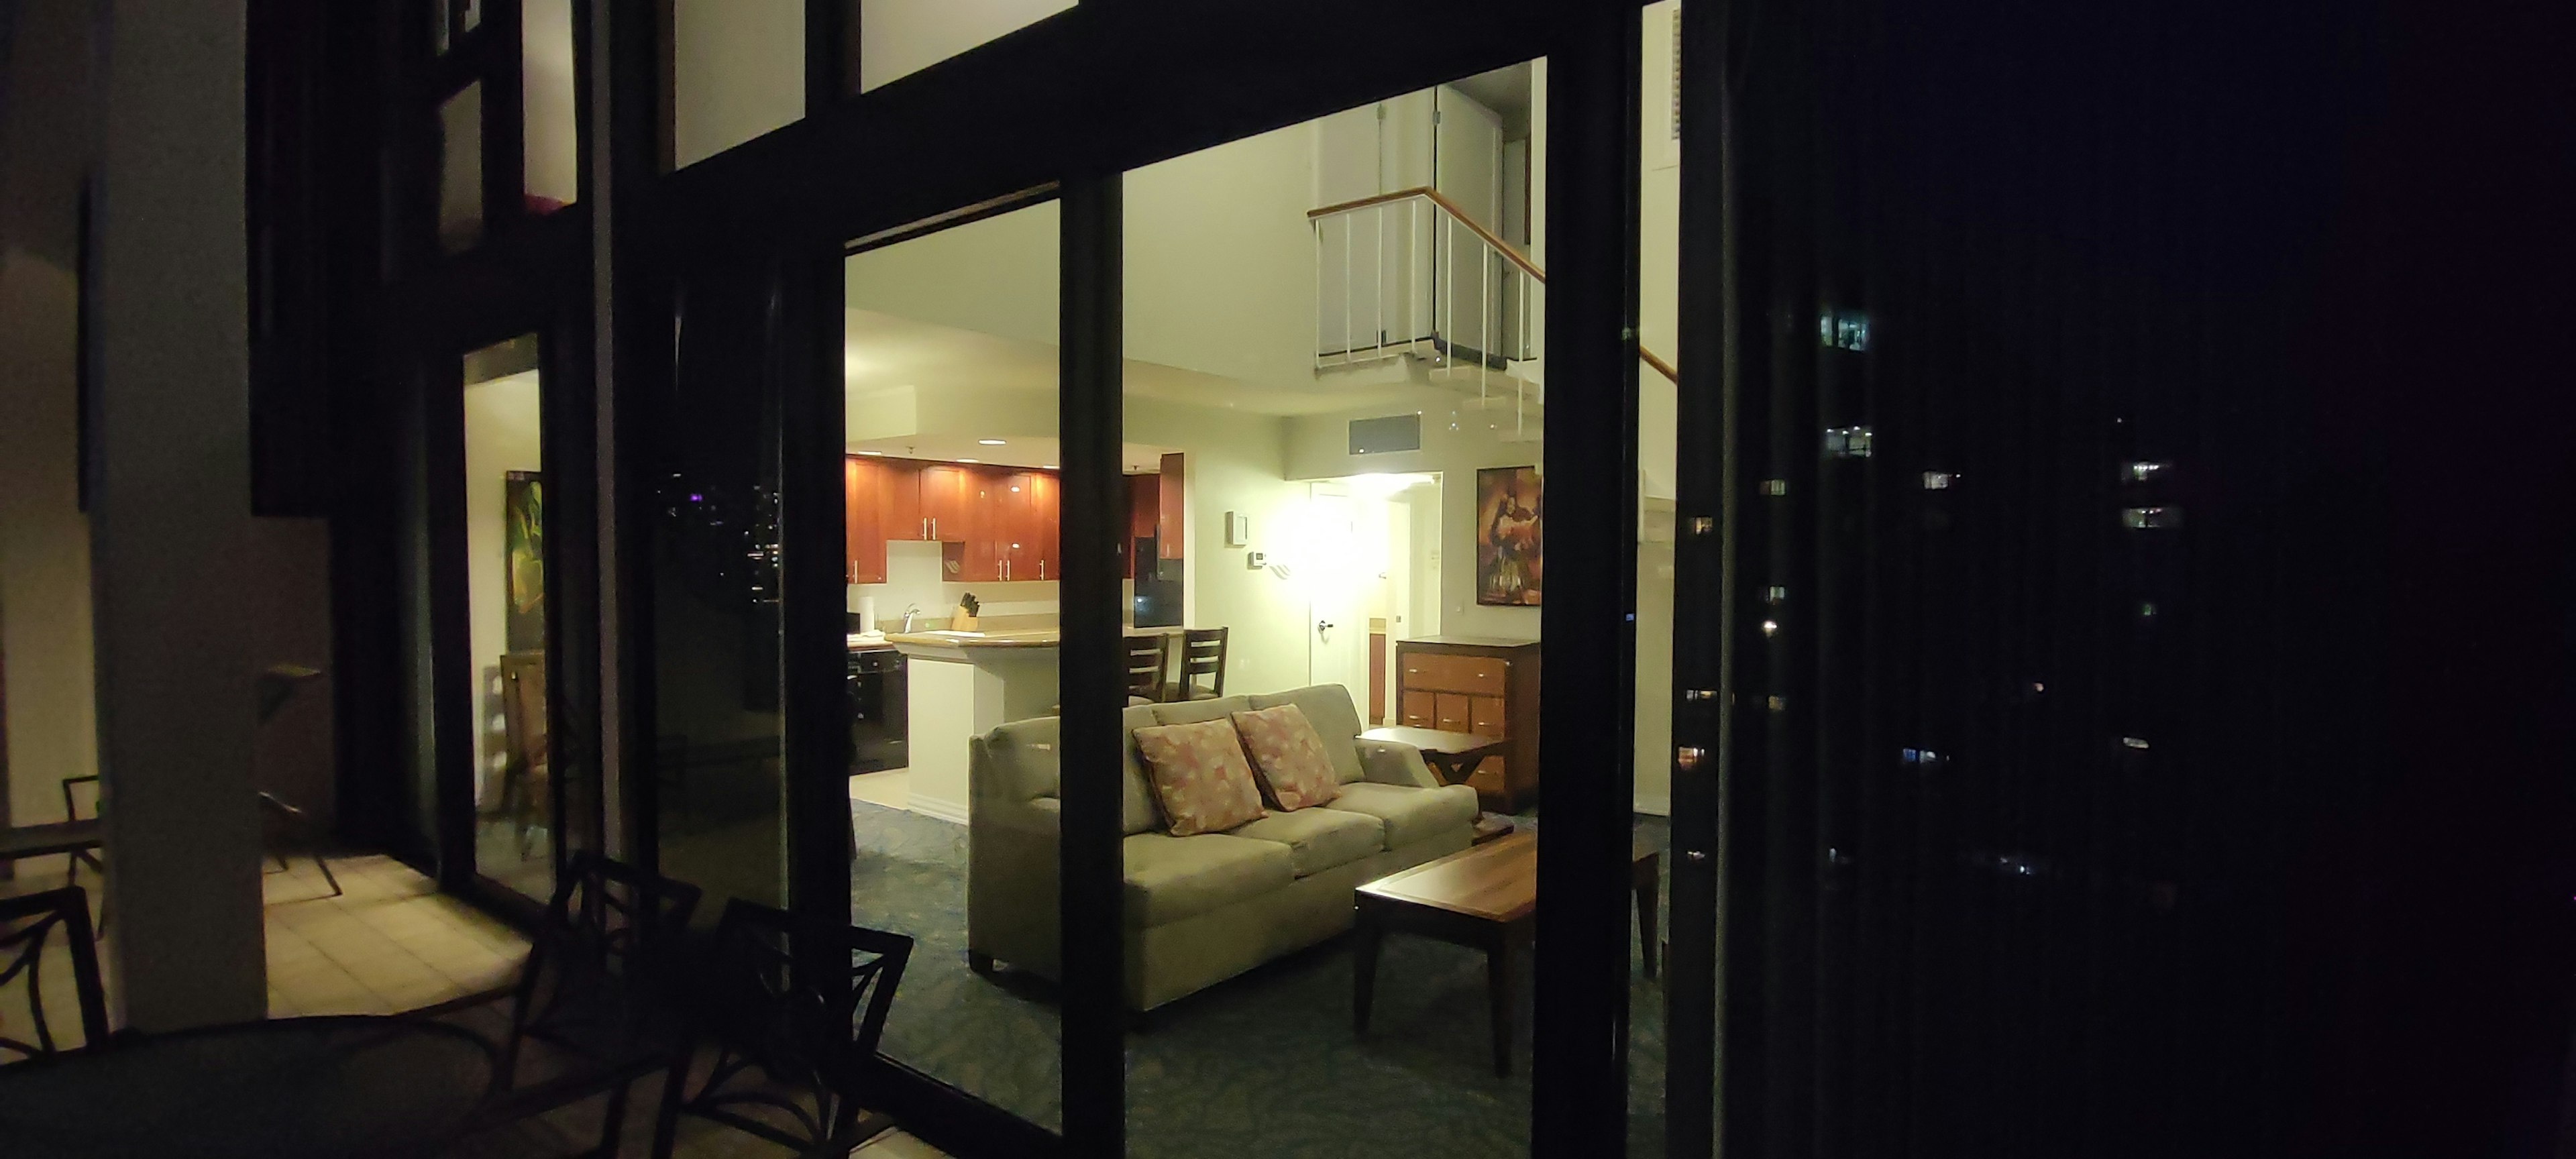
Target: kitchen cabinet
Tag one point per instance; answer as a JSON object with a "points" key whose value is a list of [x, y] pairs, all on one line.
{"points": [[880, 502], [950, 494], [993, 524], [1144, 510], [1031, 513], [1480, 685], [1172, 517]]}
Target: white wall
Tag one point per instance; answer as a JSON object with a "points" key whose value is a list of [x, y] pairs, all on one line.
{"points": [[501, 435], [45, 655], [1234, 462], [900, 37], [550, 149], [1220, 263], [737, 71], [995, 276], [1455, 442]]}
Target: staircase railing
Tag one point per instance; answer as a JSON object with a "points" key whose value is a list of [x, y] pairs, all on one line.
{"points": [[1409, 272]]}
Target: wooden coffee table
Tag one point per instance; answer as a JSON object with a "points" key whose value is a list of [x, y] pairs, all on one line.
{"points": [[1484, 897], [1453, 756]]}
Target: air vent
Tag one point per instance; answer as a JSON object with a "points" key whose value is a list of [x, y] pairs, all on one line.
{"points": [[1381, 435]]}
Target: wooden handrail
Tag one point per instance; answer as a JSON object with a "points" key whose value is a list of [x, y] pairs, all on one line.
{"points": [[1509, 252], [1661, 367]]}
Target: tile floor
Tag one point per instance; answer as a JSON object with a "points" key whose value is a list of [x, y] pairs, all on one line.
{"points": [[891, 788], [391, 943]]}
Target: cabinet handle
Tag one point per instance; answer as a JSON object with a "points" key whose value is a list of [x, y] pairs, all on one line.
{"points": [[1042, 569]]}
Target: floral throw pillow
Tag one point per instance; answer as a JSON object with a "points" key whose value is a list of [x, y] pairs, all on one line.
{"points": [[1288, 755], [1200, 776]]}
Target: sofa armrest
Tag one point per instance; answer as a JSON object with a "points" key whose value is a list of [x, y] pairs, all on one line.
{"points": [[1387, 762]]}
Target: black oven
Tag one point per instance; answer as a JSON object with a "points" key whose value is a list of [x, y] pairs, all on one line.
{"points": [[879, 721]]}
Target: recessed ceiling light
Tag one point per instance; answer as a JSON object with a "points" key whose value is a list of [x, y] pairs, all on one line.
{"points": [[990, 442], [970, 460]]}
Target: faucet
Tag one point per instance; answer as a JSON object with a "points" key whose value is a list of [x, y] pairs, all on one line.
{"points": [[911, 612]]}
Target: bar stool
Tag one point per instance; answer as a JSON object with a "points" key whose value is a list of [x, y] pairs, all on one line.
{"points": [[1147, 657], [1202, 654]]}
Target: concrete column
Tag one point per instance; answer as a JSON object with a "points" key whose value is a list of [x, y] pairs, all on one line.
{"points": [[46, 121], [171, 519]]}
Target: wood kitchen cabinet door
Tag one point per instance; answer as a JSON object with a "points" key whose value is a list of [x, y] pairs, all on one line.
{"points": [[948, 501], [1144, 508], [1169, 520], [1036, 513], [869, 485], [981, 526], [898, 498]]}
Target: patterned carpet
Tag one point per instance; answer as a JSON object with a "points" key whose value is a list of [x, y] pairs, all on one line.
{"points": [[1262, 1066]]}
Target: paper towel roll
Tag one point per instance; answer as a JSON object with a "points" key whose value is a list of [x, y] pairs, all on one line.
{"points": [[867, 613]]}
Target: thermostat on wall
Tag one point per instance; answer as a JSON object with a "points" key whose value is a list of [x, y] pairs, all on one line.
{"points": [[1238, 529]]}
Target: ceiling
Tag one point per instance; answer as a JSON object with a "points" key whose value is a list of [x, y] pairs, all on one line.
{"points": [[885, 352], [1505, 90], [1016, 451]]}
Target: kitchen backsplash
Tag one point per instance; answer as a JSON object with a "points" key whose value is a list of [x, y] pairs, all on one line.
{"points": [[914, 576]]}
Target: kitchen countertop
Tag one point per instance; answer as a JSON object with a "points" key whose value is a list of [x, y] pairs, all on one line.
{"points": [[1027, 638]]}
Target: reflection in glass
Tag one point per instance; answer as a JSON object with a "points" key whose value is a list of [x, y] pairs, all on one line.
{"points": [[900, 37], [460, 173], [719, 791], [515, 821], [950, 373], [1329, 358], [551, 157], [737, 71]]}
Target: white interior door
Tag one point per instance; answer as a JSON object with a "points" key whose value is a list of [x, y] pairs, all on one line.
{"points": [[1340, 565]]}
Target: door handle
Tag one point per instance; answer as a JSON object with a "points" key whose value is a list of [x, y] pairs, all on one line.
{"points": [[1324, 628]]}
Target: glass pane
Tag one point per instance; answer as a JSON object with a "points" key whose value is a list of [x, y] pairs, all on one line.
{"points": [[737, 71], [1659, 271], [901, 37], [460, 174], [1337, 428], [515, 823], [551, 154], [717, 710], [953, 498]]}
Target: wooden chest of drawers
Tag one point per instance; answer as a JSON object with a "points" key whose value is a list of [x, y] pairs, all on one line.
{"points": [[1479, 685]]}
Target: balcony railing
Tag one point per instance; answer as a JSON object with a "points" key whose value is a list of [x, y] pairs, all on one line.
{"points": [[1409, 272]]}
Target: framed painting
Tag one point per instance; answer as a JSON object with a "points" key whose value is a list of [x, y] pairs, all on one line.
{"points": [[1511, 539], [523, 520]]}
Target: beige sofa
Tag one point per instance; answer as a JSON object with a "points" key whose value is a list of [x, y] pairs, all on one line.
{"points": [[1203, 908]]}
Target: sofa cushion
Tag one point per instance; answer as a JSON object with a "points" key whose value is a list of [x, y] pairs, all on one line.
{"points": [[1200, 775], [1410, 814], [1137, 812], [1335, 719], [1287, 756], [1169, 878], [1319, 839], [1019, 760], [1194, 711]]}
